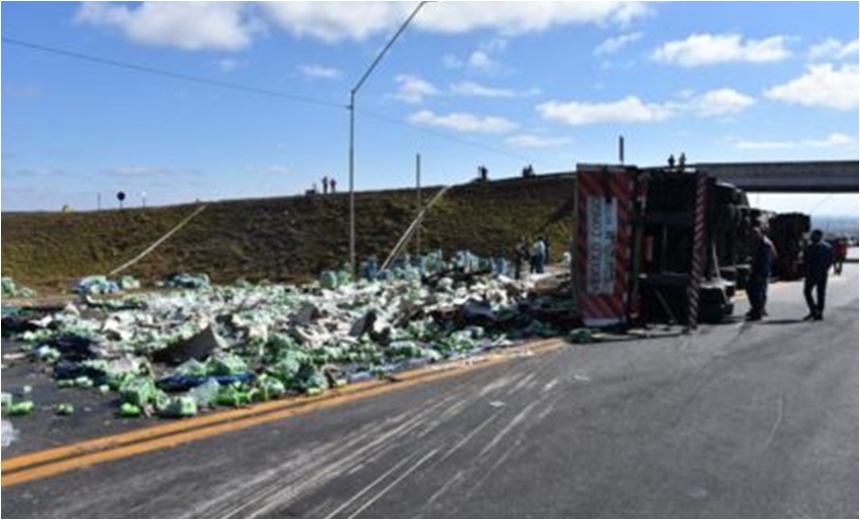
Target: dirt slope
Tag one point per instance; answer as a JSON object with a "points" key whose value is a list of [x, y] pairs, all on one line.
{"points": [[281, 239]]}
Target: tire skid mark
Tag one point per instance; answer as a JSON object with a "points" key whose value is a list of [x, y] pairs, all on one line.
{"points": [[402, 477], [344, 456], [309, 469]]}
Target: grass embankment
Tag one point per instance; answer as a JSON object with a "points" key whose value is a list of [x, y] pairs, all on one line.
{"points": [[281, 239]]}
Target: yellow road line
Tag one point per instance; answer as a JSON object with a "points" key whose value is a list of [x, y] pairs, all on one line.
{"points": [[159, 431], [27, 468]]}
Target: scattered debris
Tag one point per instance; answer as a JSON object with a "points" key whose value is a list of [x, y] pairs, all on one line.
{"points": [[581, 378], [236, 345], [128, 410], [9, 310], [9, 434], [199, 347], [129, 283], [96, 285], [12, 290], [64, 409], [186, 281], [8, 400], [22, 408], [581, 336], [206, 393], [99, 285], [179, 407], [139, 392]]}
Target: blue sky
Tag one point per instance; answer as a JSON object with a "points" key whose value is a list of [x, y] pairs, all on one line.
{"points": [[470, 83]]}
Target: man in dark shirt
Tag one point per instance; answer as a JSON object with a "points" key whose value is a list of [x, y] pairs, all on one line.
{"points": [[764, 254], [817, 259], [521, 254]]}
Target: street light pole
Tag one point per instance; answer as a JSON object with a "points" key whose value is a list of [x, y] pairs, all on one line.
{"points": [[352, 264], [352, 95]]}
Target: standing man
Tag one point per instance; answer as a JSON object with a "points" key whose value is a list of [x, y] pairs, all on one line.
{"points": [[817, 259], [764, 254], [545, 241], [539, 252], [521, 255], [840, 254], [333, 185], [325, 185]]}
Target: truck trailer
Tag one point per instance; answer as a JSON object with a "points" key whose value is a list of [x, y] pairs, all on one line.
{"points": [[651, 245]]}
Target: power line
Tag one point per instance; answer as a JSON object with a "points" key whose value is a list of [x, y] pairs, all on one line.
{"points": [[170, 74], [445, 136], [821, 203], [251, 90]]}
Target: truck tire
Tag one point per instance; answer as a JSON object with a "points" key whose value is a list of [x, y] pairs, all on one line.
{"points": [[712, 314]]}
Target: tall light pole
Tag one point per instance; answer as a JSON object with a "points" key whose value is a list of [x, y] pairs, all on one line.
{"points": [[352, 94]]}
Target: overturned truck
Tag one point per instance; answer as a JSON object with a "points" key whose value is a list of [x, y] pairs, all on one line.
{"points": [[656, 245]]}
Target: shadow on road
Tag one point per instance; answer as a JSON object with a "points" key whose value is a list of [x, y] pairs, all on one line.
{"points": [[782, 322]]}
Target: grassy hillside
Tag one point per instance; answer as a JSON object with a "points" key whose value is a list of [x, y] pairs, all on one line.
{"points": [[283, 239]]}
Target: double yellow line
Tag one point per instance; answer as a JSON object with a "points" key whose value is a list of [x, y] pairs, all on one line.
{"points": [[56, 461]]}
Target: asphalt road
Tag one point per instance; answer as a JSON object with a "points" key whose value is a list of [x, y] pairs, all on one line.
{"points": [[739, 420]]}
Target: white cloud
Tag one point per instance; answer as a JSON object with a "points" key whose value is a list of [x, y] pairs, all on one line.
{"points": [[40, 171], [233, 25], [463, 122], [186, 25], [614, 45], [472, 89], [320, 72], [452, 62], [631, 109], [137, 171], [227, 65], [413, 90], [333, 22], [628, 110], [821, 86], [832, 49], [722, 102], [707, 49], [339, 21], [511, 18], [479, 60], [482, 61], [531, 141], [495, 45], [835, 140]]}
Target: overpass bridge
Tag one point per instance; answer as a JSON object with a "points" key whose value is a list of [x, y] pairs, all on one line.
{"points": [[788, 177]]}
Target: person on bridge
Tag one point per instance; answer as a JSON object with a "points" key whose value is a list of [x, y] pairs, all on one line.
{"points": [[764, 253], [817, 260], [840, 253]]}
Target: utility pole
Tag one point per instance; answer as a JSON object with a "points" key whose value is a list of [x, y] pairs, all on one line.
{"points": [[418, 209], [351, 107]]}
